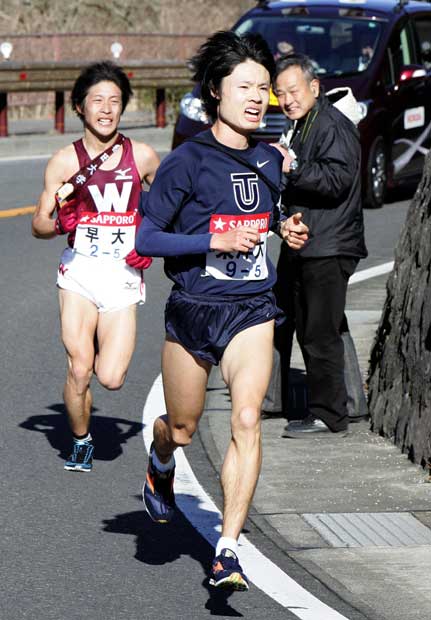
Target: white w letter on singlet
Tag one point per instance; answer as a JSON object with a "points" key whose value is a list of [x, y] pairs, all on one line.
{"points": [[111, 197]]}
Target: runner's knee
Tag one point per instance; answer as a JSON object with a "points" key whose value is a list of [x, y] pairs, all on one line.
{"points": [[110, 379], [246, 422], [79, 375]]}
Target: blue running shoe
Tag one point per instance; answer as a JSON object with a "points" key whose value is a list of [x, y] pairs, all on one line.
{"points": [[158, 492], [81, 458], [226, 572]]}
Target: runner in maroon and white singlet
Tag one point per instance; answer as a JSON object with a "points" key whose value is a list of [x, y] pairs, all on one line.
{"points": [[100, 276]]}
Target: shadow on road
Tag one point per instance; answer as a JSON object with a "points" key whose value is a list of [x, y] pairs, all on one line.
{"points": [[108, 433], [158, 544]]}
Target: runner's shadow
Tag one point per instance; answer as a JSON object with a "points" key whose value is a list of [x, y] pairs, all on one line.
{"points": [[158, 544], [108, 433]]}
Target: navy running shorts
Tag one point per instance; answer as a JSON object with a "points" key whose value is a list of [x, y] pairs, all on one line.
{"points": [[205, 325]]}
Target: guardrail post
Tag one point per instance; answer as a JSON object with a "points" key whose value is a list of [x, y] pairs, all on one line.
{"points": [[59, 111], [160, 107], [3, 115]]}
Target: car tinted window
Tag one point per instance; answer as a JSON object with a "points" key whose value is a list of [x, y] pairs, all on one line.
{"points": [[423, 29], [337, 46], [400, 52]]}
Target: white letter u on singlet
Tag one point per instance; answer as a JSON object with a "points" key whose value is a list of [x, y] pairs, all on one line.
{"points": [[245, 190]]}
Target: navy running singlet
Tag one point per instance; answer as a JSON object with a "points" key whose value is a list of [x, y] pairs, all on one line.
{"points": [[198, 190]]}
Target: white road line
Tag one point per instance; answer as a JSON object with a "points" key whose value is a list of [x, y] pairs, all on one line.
{"points": [[201, 511], [24, 157], [372, 272]]}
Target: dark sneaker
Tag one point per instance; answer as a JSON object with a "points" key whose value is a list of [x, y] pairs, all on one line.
{"points": [[226, 572], [158, 492], [81, 458], [310, 427]]}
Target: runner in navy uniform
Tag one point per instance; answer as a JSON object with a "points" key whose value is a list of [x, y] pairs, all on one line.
{"points": [[209, 215], [100, 276]]}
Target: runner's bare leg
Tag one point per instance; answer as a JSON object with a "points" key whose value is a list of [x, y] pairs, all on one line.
{"points": [[246, 368], [184, 382], [116, 336], [78, 317]]}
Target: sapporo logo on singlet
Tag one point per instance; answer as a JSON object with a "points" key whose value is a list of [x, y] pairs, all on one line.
{"points": [[245, 191], [109, 233]]}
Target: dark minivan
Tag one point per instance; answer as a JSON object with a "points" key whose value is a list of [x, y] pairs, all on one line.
{"points": [[381, 49]]}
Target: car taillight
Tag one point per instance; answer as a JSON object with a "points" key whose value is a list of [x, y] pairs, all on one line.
{"points": [[408, 74]]}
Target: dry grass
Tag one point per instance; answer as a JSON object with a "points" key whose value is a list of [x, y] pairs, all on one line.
{"points": [[98, 16]]}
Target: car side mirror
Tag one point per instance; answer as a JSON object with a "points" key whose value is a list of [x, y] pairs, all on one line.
{"points": [[411, 72]]}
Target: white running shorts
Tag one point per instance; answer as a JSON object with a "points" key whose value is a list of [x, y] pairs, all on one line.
{"points": [[109, 284]]}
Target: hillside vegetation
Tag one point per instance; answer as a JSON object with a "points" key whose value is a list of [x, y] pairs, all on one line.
{"points": [[98, 16]]}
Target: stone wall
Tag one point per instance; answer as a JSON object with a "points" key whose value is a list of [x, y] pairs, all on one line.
{"points": [[400, 365]]}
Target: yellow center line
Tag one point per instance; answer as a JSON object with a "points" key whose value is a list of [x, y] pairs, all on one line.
{"points": [[17, 211]]}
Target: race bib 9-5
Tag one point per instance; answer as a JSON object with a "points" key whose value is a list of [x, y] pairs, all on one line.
{"points": [[239, 265], [105, 235]]}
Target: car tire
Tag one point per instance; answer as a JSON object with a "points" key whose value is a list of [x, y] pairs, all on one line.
{"points": [[377, 175]]}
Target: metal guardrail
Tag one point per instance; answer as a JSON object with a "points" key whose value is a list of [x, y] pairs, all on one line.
{"points": [[60, 77]]}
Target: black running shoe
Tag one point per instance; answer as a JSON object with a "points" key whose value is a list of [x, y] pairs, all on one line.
{"points": [[158, 492], [226, 572], [81, 458]]}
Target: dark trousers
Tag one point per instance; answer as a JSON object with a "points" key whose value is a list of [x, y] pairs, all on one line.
{"points": [[313, 291]]}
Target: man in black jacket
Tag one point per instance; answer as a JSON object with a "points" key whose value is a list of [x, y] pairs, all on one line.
{"points": [[322, 180]]}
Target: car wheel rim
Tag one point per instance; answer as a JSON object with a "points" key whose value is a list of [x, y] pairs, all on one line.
{"points": [[378, 171]]}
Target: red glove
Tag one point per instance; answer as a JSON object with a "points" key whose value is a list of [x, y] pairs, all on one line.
{"points": [[67, 218], [133, 259]]}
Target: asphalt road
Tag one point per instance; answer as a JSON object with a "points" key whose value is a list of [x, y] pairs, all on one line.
{"points": [[76, 546], [21, 182]]}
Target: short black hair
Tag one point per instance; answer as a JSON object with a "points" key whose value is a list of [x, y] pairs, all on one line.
{"points": [[105, 71], [218, 57], [291, 59]]}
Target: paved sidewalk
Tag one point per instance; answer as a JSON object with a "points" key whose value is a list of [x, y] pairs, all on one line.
{"points": [[37, 137], [353, 511]]}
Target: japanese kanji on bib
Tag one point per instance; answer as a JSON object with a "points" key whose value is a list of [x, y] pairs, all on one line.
{"points": [[239, 265], [107, 204]]}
